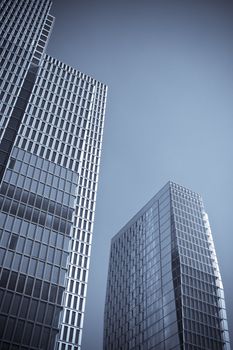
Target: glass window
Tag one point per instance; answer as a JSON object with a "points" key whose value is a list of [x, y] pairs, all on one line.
{"points": [[21, 283], [53, 293], [27, 333], [5, 238], [47, 272], [45, 337], [21, 210], [60, 294], [7, 302], [8, 259], [45, 291], [9, 328], [35, 249], [43, 252], [29, 286], [3, 320], [51, 252], [24, 307], [12, 281], [16, 304], [32, 310], [21, 243], [16, 262], [57, 259], [40, 269], [19, 331], [36, 336], [41, 312], [37, 288], [13, 242], [32, 267], [55, 274], [28, 247], [35, 216], [49, 314]]}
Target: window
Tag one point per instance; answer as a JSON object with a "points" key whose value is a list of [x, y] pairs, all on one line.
{"points": [[13, 242], [12, 163]]}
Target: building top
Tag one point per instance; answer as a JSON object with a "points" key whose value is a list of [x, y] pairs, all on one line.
{"points": [[156, 197], [73, 71]]}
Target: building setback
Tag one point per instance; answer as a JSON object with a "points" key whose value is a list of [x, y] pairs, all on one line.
{"points": [[51, 128], [164, 288]]}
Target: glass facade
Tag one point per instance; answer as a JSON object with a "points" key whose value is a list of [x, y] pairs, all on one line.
{"points": [[52, 119], [164, 288]]}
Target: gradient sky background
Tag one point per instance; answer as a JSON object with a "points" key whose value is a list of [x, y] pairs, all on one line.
{"points": [[169, 68]]}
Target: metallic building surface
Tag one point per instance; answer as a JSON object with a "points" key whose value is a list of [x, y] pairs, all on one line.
{"points": [[52, 119], [164, 288]]}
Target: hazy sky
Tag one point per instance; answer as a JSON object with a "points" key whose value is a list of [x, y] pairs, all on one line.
{"points": [[169, 68]]}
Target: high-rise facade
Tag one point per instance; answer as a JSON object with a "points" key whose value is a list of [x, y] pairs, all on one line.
{"points": [[164, 288], [51, 129]]}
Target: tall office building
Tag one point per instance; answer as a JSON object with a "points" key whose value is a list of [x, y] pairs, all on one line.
{"points": [[51, 129], [164, 287]]}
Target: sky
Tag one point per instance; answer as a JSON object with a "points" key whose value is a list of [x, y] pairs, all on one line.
{"points": [[169, 69]]}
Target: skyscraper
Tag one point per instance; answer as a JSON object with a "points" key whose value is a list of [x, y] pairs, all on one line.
{"points": [[51, 129], [164, 288]]}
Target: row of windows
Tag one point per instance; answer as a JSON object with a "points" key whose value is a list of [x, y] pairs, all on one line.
{"points": [[184, 192], [43, 166], [200, 328], [76, 287], [51, 64], [32, 266], [23, 26], [38, 187], [36, 201], [36, 216], [65, 346], [210, 309], [68, 121], [46, 152], [193, 237], [201, 342], [30, 286], [29, 28], [201, 284], [202, 258], [191, 223], [205, 296], [13, 303], [32, 248], [74, 302], [199, 315], [13, 74], [205, 267], [34, 232], [9, 95], [50, 146], [26, 333], [70, 335], [194, 273], [59, 93], [10, 62], [70, 317], [80, 235]]}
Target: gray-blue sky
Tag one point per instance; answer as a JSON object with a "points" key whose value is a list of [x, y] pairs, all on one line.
{"points": [[169, 68]]}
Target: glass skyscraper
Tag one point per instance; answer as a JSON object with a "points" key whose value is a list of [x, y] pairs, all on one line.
{"points": [[164, 288], [51, 128]]}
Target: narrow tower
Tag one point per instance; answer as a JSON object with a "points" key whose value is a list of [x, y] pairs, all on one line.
{"points": [[51, 128], [164, 287]]}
